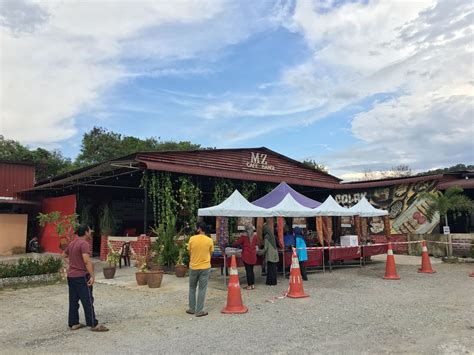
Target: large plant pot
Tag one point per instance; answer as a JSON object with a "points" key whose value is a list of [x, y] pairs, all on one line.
{"points": [[141, 278], [155, 267], [154, 278], [109, 272], [180, 270]]}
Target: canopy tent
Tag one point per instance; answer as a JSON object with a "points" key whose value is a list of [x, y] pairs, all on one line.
{"points": [[363, 208], [277, 195], [235, 206], [289, 207], [331, 208]]}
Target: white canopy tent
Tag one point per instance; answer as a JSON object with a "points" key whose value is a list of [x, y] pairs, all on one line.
{"points": [[235, 205], [331, 208], [289, 207], [363, 208]]}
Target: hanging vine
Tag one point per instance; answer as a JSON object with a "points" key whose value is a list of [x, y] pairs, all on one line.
{"points": [[223, 188], [160, 192], [189, 200], [248, 189]]}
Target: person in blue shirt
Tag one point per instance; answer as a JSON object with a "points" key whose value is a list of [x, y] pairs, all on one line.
{"points": [[301, 251], [288, 238]]}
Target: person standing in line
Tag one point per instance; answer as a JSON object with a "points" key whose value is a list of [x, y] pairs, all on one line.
{"points": [[248, 242], [200, 248], [301, 251], [271, 255], [80, 278]]}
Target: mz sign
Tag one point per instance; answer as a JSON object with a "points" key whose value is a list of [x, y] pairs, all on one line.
{"points": [[259, 161]]}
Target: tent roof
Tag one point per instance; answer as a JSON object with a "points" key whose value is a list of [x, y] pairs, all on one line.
{"points": [[363, 208], [277, 195], [331, 208], [235, 206], [289, 207]]}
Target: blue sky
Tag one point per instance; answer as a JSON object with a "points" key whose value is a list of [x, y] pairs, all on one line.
{"points": [[355, 85]]}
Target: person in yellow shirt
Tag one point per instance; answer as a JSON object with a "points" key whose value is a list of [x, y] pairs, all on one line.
{"points": [[200, 248]]}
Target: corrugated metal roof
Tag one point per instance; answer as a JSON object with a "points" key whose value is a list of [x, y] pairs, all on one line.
{"points": [[256, 164], [15, 177]]}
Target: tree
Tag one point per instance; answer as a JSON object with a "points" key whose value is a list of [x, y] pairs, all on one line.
{"points": [[451, 200], [316, 166], [457, 167], [47, 163], [100, 145]]}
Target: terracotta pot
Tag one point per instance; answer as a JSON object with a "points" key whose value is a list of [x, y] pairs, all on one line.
{"points": [[155, 267], [141, 278], [154, 278], [180, 270], [109, 272]]}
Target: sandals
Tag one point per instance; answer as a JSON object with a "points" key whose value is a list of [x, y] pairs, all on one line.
{"points": [[201, 314], [188, 311], [77, 326], [252, 287], [100, 328]]}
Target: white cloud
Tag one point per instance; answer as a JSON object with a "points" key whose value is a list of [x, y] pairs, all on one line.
{"points": [[59, 57], [420, 53]]}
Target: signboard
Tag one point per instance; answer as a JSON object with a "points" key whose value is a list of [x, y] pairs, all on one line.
{"points": [[446, 230], [259, 161]]}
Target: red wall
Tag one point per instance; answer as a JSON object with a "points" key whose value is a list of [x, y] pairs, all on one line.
{"points": [[15, 177], [49, 239]]}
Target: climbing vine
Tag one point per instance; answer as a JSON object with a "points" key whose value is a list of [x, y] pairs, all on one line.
{"points": [[223, 188], [159, 188], [248, 189], [189, 200]]}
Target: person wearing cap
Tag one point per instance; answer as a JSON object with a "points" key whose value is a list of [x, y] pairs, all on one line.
{"points": [[248, 243], [301, 251]]}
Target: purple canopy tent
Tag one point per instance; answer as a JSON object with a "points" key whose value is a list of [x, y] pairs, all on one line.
{"points": [[275, 196]]}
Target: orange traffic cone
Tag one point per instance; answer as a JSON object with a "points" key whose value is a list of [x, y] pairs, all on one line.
{"points": [[296, 282], [471, 274], [234, 297], [390, 269], [425, 260]]}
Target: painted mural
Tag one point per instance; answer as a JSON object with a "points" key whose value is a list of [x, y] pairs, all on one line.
{"points": [[407, 213]]}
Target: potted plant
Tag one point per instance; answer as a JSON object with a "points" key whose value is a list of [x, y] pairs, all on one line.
{"points": [[155, 255], [182, 262], [107, 221], [142, 266], [165, 244], [113, 258], [154, 278]]}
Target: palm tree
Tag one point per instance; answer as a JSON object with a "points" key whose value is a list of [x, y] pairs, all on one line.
{"points": [[451, 200]]}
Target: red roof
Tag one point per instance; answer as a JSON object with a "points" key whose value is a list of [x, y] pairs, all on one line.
{"points": [[464, 183]]}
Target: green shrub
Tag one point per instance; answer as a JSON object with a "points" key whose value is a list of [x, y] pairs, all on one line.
{"points": [[30, 267]]}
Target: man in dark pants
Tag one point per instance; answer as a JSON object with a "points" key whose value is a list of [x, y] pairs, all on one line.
{"points": [[80, 278]]}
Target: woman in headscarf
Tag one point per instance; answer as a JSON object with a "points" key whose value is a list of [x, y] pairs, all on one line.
{"points": [[271, 255], [301, 251], [248, 243]]}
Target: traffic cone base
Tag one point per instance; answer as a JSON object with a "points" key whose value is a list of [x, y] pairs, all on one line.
{"points": [[471, 274], [296, 282], [234, 296], [390, 268], [425, 260]]}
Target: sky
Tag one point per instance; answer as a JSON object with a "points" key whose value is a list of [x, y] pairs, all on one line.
{"points": [[355, 85]]}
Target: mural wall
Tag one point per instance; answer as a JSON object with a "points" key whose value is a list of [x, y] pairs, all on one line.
{"points": [[407, 213]]}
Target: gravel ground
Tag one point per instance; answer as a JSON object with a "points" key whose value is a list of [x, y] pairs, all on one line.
{"points": [[350, 310]]}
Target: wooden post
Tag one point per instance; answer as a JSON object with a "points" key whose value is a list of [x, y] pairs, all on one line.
{"points": [[319, 229], [280, 231], [218, 227], [259, 230], [330, 229], [387, 229], [363, 226], [357, 228]]}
